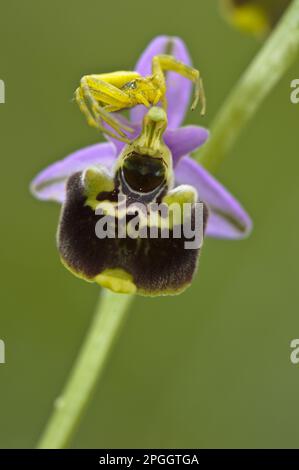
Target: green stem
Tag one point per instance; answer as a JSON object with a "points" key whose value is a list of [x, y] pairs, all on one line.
{"points": [[109, 317], [277, 54]]}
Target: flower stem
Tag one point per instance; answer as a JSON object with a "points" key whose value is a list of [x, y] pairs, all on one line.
{"points": [[109, 317], [277, 54]]}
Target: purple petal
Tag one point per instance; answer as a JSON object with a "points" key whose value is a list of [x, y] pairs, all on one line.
{"points": [[184, 140], [227, 218], [178, 88], [156, 46], [49, 184]]}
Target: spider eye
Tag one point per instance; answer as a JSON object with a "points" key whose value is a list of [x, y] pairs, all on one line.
{"points": [[130, 85], [143, 173]]}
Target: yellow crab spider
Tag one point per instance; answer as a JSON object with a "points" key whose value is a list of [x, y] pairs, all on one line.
{"points": [[99, 95]]}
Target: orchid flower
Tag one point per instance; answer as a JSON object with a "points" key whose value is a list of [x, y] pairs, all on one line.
{"points": [[59, 182]]}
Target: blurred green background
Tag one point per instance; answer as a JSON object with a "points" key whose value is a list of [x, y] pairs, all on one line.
{"points": [[209, 368]]}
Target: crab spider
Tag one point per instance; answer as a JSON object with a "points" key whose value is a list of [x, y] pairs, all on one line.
{"points": [[100, 95]]}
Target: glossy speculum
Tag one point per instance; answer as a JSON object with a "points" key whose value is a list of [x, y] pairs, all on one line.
{"points": [[143, 173]]}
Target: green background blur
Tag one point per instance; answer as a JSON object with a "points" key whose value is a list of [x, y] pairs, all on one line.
{"points": [[209, 368]]}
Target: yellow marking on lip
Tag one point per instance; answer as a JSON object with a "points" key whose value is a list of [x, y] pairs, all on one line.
{"points": [[117, 280]]}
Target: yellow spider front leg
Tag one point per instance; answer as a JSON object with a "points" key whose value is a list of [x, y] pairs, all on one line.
{"points": [[167, 63], [98, 95], [95, 91], [92, 120]]}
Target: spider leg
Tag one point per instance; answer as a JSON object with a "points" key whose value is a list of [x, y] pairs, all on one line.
{"points": [[95, 90], [164, 101], [94, 121], [163, 63]]}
